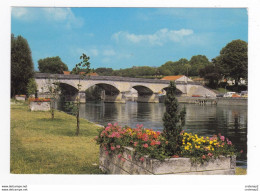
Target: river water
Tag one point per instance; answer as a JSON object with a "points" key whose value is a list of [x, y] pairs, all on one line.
{"points": [[204, 120]]}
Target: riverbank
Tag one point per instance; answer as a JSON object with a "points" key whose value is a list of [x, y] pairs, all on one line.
{"points": [[213, 101], [42, 146]]}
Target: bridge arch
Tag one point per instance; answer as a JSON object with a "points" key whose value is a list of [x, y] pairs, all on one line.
{"points": [[110, 92], [143, 90]]}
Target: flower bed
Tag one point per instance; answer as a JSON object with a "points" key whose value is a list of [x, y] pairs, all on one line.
{"points": [[40, 104], [143, 151]]}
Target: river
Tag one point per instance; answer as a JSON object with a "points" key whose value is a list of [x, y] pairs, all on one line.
{"points": [[206, 120]]}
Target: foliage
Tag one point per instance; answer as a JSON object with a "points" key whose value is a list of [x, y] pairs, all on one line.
{"points": [[54, 90], [197, 62], [83, 65], [31, 87], [21, 65], [233, 60], [173, 121], [201, 149], [114, 138], [179, 67], [52, 65], [212, 74], [104, 71]]}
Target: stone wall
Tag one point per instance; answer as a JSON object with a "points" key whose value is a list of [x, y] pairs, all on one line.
{"points": [[128, 164], [213, 101], [40, 106]]}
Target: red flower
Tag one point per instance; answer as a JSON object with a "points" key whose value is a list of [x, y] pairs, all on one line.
{"points": [[145, 145], [175, 156], [142, 159], [203, 157], [210, 154], [112, 148], [153, 142]]}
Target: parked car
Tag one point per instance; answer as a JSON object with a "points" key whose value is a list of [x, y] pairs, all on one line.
{"points": [[243, 94], [219, 95], [229, 94]]}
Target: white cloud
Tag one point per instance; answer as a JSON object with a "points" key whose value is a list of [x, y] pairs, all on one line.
{"points": [[109, 52], [160, 37], [19, 12], [52, 15]]}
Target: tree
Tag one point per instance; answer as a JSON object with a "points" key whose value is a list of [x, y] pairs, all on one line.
{"points": [[233, 60], [21, 65], [54, 90], [83, 65], [173, 121], [52, 65], [212, 74], [104, 71], [197, 62], [31, 87]]}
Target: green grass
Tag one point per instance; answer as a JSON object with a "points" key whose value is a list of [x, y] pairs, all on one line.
{"points": [[221, 90], [42, 146], [241, 171]]}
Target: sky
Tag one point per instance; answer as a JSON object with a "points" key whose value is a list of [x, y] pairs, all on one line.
{"points": [[127, 37]]}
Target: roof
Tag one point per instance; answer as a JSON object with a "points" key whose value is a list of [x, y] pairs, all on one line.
{"points": [[90, 74], [172, 77], [66, 72]]}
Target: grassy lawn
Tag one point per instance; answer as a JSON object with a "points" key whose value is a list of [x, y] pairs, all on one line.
{"points": [[40, 145]]}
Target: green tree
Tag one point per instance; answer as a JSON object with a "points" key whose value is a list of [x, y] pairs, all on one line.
{"points": [[21, 65], [83, 65], [54, 89], [173, 121], [104, 71], [52, 65], [31, 87], [197, 62], [212, 74], [233, 60]]}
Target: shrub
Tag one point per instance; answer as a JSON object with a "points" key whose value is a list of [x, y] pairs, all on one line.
{"points": [[173, 121]]}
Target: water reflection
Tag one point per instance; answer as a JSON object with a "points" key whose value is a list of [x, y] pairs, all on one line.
{"points": [[207, 120]]}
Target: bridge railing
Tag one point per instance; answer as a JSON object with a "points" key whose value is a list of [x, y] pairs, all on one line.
{"points": [[109, 78]]}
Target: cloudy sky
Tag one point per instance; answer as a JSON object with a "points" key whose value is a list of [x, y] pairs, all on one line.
{"points": [[126, 37]]}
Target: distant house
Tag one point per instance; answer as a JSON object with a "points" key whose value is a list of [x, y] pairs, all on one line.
{"points": [[200, 80], [180, 78], [90, 74], [66, 72]]}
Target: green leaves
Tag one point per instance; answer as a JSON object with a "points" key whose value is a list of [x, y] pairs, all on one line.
{"points": [[173, 121], [52, 65], [21, 65]]}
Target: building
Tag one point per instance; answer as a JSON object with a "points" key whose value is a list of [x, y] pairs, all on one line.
{"points": [[180, 78]]}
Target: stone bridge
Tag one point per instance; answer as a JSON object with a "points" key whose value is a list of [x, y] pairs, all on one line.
{"points": [[117, 87]]}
